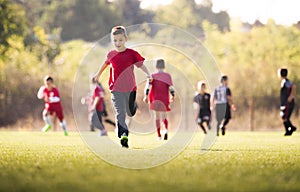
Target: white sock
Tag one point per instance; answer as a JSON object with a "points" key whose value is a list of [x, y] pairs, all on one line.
{"points": [[63, 125], [47, 119]]}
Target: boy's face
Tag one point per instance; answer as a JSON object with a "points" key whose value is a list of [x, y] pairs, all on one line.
{"points": [[49, 84], [119, 41]]}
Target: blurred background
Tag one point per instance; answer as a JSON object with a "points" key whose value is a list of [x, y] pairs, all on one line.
{"points": [[40, 37]]}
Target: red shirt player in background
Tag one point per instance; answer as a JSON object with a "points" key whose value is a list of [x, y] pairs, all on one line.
{"points": [[159, 98], [97, 107], [50, 94]]}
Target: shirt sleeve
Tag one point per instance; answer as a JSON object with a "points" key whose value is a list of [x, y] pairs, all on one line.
{"points": [[228, 92], [138, 59]]}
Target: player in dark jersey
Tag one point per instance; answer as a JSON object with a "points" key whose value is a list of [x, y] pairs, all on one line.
{"points": [[202, 104], [287, 101], [223, 101]]}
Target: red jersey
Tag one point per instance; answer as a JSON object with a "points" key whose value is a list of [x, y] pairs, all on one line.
{"points": [[98, 92], [53, 103], [122, 77], [159, 96]]}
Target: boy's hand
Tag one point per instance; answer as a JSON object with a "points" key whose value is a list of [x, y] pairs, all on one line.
{"points": [[171, 99], [145, 99], [233, 107]]}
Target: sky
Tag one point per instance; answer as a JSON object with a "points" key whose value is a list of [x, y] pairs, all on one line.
{"points": [[284, 12]]}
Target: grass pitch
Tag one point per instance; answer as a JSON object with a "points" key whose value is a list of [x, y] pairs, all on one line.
{"points": [[239, 161]]}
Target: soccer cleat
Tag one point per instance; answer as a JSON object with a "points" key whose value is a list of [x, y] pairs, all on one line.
{"points": [[159, 138], [166, 136], [46, 128], [103, 133], [223, 130], [124, 141], [66, 133]]}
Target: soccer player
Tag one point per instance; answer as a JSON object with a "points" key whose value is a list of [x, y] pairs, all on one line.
{"points": [[202, 104], [157, 89], [287, 100], [50, 94], [223, 102], [97, 108], [122, 82]]}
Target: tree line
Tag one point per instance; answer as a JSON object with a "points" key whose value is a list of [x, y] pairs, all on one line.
{"points": [[50, 37]]}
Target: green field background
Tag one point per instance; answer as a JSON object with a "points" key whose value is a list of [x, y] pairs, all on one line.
{"points": [[239, 161]]}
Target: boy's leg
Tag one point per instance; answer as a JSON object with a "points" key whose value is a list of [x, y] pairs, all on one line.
{"points": [[289, 127], [63, 124], [157, 124], [103, 131], [119, 102], [166, 124], [47, 120], [132, 105]]}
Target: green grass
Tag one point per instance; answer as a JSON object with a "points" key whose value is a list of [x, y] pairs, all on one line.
{"points": [[239, 161]]}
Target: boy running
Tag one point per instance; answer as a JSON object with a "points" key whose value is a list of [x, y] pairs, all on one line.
{"points": [[287, 101], [223, 101], [158, 89], [122, 82], [97, 108], [202, 104], [50, 94]]}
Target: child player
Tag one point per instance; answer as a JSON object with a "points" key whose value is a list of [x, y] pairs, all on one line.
{"points": [[202, 104], [223, 101], [122, 82], [50, 94], [158, 89], [97, 108], [287, 100]]}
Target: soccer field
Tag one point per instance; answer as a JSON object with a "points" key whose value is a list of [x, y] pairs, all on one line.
{"points": [[239, 161]]}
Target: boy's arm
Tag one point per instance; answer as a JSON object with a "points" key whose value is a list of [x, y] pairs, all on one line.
{"points": [[95, 103], [145, 69], [293, 93], [100, 71], [147, 89], [172, 92]]}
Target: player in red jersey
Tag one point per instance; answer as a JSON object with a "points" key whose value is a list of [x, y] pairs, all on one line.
{"points": [[157, 90], [97, 108], [122, 84], [50, 94]]}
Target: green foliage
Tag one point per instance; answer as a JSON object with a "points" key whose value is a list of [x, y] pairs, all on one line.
{"points": [[12, 23], [240, 161]]}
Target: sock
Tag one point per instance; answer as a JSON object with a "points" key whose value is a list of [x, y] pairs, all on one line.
{"points": [[63, 125], [47, 119], [165, 121], [158, 127], [202, 127]]}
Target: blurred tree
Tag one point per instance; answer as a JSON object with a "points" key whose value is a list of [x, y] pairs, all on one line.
{"points": [[12, 23], [89, 20]]}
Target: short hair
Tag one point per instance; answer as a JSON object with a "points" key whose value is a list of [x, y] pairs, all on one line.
{"points": [[160, 64], [48, 78], [224, 78], [283, 72], [200, 84], [119, 30]]}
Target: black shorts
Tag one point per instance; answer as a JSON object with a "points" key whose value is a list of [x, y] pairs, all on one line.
{"points": [[223, 111]]}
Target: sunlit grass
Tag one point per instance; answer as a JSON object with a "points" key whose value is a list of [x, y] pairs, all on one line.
{"points": [[239, 161]]}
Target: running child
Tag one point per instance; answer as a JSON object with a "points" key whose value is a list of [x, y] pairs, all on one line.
{"points": [[157, 89], [122, 82], [287, 101], [97, 108], [50, 94], [202, 104], [223, 102]]}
